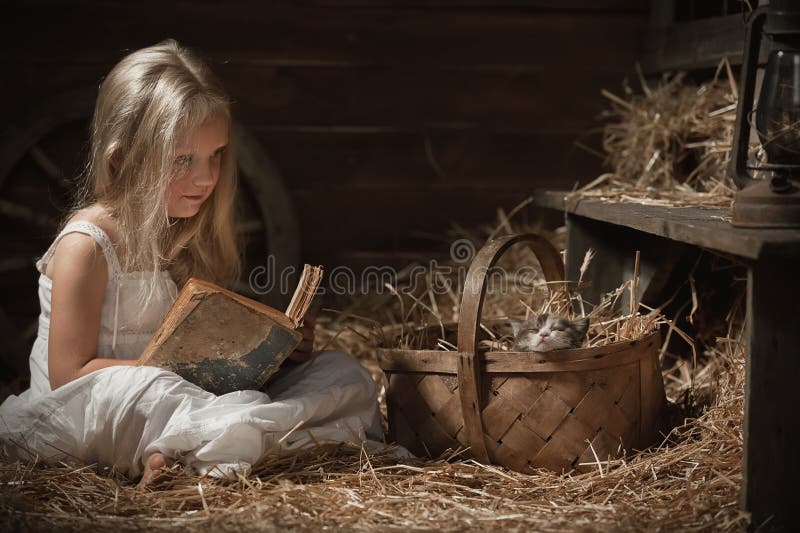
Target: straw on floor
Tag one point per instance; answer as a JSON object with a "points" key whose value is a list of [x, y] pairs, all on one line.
{"points": [[690, 481]]}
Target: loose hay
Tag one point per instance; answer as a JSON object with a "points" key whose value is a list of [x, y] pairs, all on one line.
{"points": [[669, 145], [429, 300], [691, 481]]}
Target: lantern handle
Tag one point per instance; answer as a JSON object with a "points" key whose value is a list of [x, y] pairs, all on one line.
{"points": [[741, 133]]}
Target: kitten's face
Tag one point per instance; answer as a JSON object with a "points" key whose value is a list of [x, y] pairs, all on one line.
{"points": [[548, 332]]}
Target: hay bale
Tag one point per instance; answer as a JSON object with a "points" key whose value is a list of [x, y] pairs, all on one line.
{"points": [[669, 145]]}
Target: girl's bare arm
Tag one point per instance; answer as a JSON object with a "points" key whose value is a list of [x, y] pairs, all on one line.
{"points": [[80, 275]]}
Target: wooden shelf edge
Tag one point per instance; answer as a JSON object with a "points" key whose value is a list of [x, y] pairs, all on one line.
{"points": [[699, 226]]}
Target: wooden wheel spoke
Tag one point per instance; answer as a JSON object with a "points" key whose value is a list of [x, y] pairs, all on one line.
{"points": [[21, 212], [18, 262], [46, 163], [249, 226], [30, 331]]}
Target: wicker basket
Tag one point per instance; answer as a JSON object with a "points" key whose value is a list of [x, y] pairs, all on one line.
{"points": [[558, 410]]}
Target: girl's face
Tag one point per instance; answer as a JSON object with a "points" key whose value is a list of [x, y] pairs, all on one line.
{"points": [[195, 172]]}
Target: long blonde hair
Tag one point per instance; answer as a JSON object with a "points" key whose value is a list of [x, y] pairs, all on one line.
{"points": [[148, 101]]}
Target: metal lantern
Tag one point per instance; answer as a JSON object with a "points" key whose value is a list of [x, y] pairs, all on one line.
{"points": [[774, 201]]}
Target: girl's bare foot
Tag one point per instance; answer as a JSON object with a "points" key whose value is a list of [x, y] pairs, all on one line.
{"points": [[152, 466]]}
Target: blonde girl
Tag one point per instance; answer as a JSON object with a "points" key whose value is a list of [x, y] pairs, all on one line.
{"points": [[157, 207]]}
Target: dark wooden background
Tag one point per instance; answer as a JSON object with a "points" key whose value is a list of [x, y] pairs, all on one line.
{"points": [[386, 118]]}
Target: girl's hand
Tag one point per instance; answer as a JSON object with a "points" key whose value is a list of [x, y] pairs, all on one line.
{"points": [[302, 353]]}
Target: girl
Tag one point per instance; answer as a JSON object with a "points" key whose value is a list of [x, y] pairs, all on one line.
{"points": [[157, 208]]}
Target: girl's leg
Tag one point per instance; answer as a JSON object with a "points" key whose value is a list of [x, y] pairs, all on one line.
{"points": [[329, 368]]}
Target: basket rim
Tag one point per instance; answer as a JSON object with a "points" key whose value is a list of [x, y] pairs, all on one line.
{"points": [[575, 359], [568, 354]]}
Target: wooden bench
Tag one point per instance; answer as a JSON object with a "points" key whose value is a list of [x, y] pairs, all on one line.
{"points": [[772, 257]]}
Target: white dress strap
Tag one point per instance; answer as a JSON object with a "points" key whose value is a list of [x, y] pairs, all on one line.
{"points": [[97, 234], [100, 237]]}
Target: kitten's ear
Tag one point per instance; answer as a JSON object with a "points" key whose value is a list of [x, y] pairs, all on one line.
{"points": [[581, 325], [516, 325]]}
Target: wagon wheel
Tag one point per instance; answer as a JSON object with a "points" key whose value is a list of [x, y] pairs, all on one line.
{"points": [[38, 159]]}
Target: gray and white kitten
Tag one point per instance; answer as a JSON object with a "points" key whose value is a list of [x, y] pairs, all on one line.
{"points": [[548, 332]]}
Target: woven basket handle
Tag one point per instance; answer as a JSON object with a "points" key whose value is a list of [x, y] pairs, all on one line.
{"points": [[469, 372]]}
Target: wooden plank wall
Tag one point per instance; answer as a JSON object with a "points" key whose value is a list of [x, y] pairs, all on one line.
{"points": [[385, 117]]}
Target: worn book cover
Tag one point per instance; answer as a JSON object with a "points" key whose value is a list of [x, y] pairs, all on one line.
{"points": [[223, 341]]}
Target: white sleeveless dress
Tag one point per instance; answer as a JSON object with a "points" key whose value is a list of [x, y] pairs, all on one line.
{"points": [[117, 416]]}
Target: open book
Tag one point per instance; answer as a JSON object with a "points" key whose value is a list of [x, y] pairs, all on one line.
{"points": [[223, 341]]}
